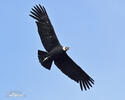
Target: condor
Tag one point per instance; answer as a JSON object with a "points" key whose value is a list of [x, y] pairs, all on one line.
{"points": [[55, 51]]}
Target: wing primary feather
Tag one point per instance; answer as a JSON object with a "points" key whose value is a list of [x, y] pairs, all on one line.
{"points": [[35, 8], [44, 10], [41, 8], [84, 85], [91, 80], [81, 85], [34, 17], [36, 12], [38, 8], [87, 84]]}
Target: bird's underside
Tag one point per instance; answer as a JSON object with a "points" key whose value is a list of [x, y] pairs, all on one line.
{"points": [[55, 52]]}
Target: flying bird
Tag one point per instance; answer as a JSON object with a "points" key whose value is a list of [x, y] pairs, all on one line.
{"points": [[55, 52]]}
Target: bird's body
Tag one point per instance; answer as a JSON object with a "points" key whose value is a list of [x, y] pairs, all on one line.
{"points": [[55, 51]]}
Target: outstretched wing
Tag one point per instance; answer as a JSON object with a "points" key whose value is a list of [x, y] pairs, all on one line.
{"points": [[45, 28], [72, 70]]}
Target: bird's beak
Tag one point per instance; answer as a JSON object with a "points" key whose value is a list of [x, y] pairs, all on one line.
{"points": [[67, 48]]}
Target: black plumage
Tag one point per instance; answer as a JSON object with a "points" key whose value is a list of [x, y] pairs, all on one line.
{"points": [[55, 51]]}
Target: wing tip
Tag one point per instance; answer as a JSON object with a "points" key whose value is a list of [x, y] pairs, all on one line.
{"points": [[86, 84], [38, 12]]}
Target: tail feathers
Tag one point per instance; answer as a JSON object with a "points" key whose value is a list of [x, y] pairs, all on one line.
{"points": [[42, 59]]}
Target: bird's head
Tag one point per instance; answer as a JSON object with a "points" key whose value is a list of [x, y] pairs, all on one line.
{"points": [[65, 48]]}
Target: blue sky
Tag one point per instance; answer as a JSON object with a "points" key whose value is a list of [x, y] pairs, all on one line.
{"points": [[95, 32]]}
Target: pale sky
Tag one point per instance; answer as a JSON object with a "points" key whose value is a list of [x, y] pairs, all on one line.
{"points": [[93, 29]]}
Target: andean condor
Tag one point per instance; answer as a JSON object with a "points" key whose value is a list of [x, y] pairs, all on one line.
{"points": [[55, 51]]}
